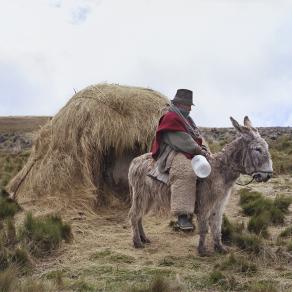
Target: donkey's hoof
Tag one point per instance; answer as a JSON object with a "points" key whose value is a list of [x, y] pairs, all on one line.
{"points": [[138, 244], [221, 249], [203, 252], [145, 240]]}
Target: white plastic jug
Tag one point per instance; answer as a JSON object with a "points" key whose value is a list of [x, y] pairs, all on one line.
{"points": [[201, 166]]}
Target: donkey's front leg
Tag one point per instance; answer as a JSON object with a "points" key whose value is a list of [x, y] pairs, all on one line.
{"points": [[203, 230], [215, 221]]}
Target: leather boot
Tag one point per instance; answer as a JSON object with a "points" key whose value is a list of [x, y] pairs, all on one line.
{"points": [[184, 223]]}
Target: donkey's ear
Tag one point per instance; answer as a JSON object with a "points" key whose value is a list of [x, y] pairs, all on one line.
{"points": [[247, 123], [236, 125]]}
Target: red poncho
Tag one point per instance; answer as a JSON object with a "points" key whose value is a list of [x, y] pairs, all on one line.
{"points": [[171, 122]]}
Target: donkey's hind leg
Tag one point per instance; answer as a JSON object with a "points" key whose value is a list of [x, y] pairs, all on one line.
{"points": [[135, 217], [143, 237], [136, 234]]}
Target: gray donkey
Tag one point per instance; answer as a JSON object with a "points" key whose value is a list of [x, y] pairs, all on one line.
{"points": [[248, 154]]}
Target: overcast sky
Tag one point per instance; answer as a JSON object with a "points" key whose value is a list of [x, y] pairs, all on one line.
{"points": [[236, 55]]}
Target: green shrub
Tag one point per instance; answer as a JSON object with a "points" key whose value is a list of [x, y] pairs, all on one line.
{"points": [[247, 196], [228, 230], [8, 208], [277, 216], [3, 193], [287, 232], [282, 203], [257, 206], [216, 277], [248, 242], [233, 234], [237, 264], [10, 164], [258, 224], [43, 235], [264, 211]]}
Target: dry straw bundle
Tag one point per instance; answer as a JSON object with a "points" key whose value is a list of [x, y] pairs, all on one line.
{"points": [[83, 152]]}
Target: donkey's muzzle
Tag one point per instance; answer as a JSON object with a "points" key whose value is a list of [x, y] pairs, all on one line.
{"points": [[262, 176]]}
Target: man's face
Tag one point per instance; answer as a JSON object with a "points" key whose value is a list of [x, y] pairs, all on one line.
{"points": [[184, 107]]}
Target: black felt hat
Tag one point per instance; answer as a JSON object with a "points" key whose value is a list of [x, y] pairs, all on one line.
{"points": [[184, 96]]}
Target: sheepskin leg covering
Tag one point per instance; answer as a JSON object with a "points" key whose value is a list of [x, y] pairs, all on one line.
{"points": [[182, 180]]}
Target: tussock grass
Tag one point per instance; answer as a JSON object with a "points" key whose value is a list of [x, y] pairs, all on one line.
{"points": [[259, 224], [281, 152], [17, 258], [287, 232], [44, 235], [4, 258], [247, 196], [8, 208], [10, 164], [82, 286], [158, 284], [233, 234], [262, 286], [264, 211], [289, 246], [57, 276], [10, 282], [167, 261], [237, 264], [8, 279], [121, 258], [224, 281], [21, 259], [249, 242], [31, 285], [10, 233], [216, 277], [282, 203], [113, 257], [229, 229]]}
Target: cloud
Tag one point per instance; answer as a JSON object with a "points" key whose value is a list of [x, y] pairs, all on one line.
{"points": [[235, 55], [80, 14], [21, 94]]}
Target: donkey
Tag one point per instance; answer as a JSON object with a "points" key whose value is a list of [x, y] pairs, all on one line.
{"points": [[247, 154]]}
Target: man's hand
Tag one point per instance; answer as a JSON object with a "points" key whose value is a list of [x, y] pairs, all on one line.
{"points": [[204, 148], [205, 152]]}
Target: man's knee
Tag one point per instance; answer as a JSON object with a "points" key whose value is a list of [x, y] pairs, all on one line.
{"points": [[181, 169]]}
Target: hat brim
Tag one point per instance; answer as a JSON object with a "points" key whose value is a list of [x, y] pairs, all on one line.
{"points": [[182, 101]]}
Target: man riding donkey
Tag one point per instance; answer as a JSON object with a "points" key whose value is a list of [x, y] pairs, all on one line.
{"points": [[176, 142]]}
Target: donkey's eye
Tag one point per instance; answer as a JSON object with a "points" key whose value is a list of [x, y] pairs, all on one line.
{"points": [[258, 149]]}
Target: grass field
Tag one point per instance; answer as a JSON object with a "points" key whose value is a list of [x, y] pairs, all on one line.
{"points": [[100, 256], [21, 124]]}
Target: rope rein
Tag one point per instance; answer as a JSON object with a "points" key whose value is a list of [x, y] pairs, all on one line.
{"points": [[246, 183]]}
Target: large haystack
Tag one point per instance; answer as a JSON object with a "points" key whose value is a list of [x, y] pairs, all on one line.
{"points": [[83, 153]]}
